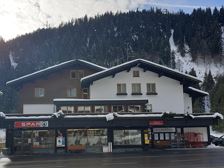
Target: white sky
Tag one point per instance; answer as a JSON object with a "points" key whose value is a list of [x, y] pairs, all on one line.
{"points": [[23, 16]]}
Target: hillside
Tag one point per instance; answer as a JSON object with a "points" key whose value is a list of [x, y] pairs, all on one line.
{"points": [[177, 40]]}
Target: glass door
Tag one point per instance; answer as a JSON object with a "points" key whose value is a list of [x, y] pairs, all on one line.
{"points": [[23, 142]]}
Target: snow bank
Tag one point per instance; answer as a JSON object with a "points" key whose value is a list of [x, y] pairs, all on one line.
{"points": [[4, 161], [214, 146]]}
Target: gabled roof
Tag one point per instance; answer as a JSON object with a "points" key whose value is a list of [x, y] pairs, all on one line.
{"points": [[147, 66], [46, 71]]}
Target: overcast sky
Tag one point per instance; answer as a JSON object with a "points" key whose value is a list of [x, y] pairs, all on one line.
{"points": [[23, 16]]}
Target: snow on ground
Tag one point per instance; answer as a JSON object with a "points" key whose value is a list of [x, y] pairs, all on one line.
{"points": [[213, 146], [185, 63], [4, 161]]}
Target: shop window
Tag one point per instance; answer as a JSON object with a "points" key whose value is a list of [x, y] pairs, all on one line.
{"points": [[101, 109], [167, 136], [172, 136], [71, 92], [84, 109], [117, 108], [151, 88], [156, 136], [121, 89], [34, 141], [67, 109], [136, 89], [84, 140], [76, 74], [136, 74], [134, 108], [127, 137], [39, 92], [161, 136]]}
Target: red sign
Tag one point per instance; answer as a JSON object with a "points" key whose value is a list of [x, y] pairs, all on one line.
{"points": [[156, 122], [30, 124]]}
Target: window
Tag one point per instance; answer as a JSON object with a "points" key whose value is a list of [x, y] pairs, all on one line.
{"points": [[84, 108], [80, 140], [136, 89], [101, 109], [39, 92], [71, 92], [151, 89], [76, 74], [134, 108], [68, 109], [121, 89], [136, 74], [117, 108], [127, 137]]}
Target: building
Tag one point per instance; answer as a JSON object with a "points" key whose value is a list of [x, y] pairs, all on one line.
{"points": [[137, 105], [165, 88], [37, 90]]}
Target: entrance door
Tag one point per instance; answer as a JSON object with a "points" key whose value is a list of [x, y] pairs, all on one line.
{"points": [[23, 142]]}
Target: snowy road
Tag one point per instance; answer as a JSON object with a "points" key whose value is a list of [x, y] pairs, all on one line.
{"points": [[199, 158]]}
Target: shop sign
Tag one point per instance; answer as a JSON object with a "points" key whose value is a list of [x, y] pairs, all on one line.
{"points": [[60, 141], [156, 122], [30, 124], [168, 129]]}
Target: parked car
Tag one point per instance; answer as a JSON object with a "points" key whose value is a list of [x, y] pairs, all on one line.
{"points": [[218, 141]]}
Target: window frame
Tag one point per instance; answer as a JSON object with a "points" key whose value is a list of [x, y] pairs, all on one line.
{"points": [[151, 91], [78, 74], [122, 90], [135, 90], [37, 92], [136, 73], [69, 92]]}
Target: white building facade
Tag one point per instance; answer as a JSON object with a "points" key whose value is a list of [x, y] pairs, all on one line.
{"points": [[164, 94]]}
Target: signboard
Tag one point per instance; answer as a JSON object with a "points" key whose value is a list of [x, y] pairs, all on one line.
{"points": [[167, 129], [156, 122], [30, 124], [60, 141]]}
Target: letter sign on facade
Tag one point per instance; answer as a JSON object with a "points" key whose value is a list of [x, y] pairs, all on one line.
{"points": [[30, 124], [156, 122]]}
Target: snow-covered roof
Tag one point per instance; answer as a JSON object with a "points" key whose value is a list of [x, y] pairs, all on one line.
{"points": [[195, 92], [119, 115], [215, 115], [70, 101], [146, 65], [56, 67], [198, 90]]}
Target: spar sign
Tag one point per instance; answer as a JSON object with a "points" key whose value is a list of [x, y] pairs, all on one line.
{"points": [[30, 124]]}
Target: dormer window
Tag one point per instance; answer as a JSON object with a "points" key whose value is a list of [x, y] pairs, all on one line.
{"points": [[136, 74]]}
